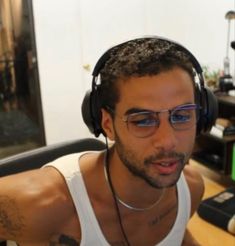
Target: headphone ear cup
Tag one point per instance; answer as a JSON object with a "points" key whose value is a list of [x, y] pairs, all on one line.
{"points": [[91, 112], [212, 109], [86, 111], [209, 109], [199, 111]]}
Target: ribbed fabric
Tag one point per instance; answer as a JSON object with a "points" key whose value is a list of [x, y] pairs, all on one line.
{"points": [[92, 235]]}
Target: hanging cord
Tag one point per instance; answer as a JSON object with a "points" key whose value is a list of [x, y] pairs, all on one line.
{"points": [[113, 194]]}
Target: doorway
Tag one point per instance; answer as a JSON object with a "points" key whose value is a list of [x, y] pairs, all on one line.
{"points": [[21, 120]]}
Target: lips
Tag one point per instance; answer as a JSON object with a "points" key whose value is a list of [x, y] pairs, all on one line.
{"points": [[165, 167], [165, 164]]}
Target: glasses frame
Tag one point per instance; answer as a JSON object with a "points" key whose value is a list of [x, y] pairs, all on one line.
{"points": [[125, 118]]}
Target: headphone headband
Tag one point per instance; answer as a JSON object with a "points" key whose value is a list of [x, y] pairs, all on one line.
{"points": [[91, 106]]}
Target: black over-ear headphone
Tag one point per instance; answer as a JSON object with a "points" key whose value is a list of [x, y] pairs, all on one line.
{"points": [[91, 106]]}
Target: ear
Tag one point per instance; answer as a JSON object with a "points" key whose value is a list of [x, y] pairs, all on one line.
{"points": [[107, 124]]}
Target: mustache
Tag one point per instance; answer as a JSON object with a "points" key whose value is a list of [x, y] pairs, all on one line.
{"points": [[165, 155]]}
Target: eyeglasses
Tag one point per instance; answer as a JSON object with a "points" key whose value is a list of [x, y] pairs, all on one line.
{"points": [[144, 124]]}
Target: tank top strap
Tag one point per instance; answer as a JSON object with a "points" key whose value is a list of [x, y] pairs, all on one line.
{"points": [[69, 167]]}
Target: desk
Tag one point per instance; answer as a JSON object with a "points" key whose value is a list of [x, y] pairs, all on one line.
{"points": [[208, 234]]}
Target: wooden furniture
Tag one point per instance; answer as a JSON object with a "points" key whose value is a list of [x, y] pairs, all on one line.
{"points": [[216, 152], [208, 234]]}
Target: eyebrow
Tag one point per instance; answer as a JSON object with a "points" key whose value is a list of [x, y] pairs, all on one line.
{"points": [[187, 105], [137, 110]]}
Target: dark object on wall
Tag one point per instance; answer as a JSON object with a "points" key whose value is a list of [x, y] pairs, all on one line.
{"points": [[230, 15], [233, 44], [220, 210]]}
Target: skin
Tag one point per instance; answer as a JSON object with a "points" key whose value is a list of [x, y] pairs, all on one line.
{"points": [[30, 212], [165, 141]]}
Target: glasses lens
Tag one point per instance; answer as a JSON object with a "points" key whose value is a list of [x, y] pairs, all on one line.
{"points": [[184, 118], [142, 124]]}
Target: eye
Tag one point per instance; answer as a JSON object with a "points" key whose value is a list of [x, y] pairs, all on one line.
{"points": [[181, 116], [143, 120]]}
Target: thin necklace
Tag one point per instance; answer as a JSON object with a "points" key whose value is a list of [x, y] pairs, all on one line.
{"points": [[124, 203]]}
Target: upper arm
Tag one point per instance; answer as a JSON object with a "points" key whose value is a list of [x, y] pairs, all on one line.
{"points": [[196, 187], [31, 205]]}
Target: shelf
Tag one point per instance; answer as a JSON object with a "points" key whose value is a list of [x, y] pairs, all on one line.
{"points": [[213, 151], [226, 99], [226, 139]]}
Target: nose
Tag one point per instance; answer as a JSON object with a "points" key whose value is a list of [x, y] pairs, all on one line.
{"points": [[165, 137]]}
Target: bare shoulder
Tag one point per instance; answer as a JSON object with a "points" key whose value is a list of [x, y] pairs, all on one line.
{"points": [[31, 204], [196, 185]]}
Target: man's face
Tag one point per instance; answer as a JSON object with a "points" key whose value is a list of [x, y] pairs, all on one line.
{"points": [[159, 158]]}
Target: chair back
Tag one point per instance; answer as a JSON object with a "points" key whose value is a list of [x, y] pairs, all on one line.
{"points": [[36, 158]]}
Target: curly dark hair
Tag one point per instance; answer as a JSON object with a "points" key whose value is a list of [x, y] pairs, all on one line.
{"points": [[137, 58]]}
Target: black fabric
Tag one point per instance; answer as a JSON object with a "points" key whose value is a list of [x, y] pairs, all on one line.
{"points": [[219, 209], [36, 158]]}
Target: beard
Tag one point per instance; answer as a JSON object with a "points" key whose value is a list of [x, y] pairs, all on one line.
{"points": [[139, 168]]}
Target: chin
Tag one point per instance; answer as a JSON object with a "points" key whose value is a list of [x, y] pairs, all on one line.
{"points": [[163, 180], [159, 181]]}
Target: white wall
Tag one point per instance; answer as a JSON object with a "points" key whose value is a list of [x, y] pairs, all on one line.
{"points": [[199, 25], [73, 33], [59, 60]]}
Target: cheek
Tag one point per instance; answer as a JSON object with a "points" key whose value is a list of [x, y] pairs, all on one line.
{"points": [[187, 140]]}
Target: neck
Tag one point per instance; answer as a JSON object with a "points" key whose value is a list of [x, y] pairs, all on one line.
{"points": [[131, 189]]}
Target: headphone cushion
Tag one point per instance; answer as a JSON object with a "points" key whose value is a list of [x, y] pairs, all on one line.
{"points": [[212, 108], [91, 112], [86, 111], [209, 110]]}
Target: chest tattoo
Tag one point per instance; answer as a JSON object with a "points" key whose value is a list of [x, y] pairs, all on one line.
{"points": [[158, 218]]}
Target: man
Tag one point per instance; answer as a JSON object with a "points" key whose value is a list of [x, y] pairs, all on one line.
{"points": [[140, 190]]}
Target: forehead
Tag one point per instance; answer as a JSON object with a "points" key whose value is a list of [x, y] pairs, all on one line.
{"points": [[163, 91]]}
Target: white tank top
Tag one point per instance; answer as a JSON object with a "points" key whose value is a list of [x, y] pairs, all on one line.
{"points": [[68, 166]]}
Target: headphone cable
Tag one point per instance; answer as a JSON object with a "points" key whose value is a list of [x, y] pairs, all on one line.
{"points": [[113, 195]]}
